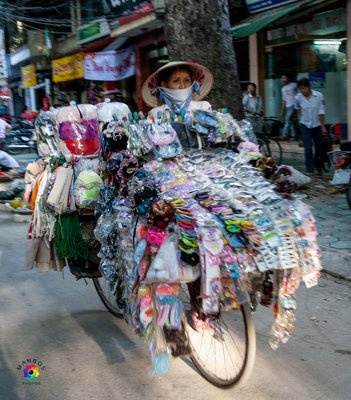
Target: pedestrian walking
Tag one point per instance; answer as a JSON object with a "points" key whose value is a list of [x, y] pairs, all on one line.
{"points": [[253, 107], [310, 108], [289, 90]]}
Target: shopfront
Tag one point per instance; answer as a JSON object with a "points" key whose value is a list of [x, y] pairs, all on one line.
{"points": [[67, 76], [301, 39], [313, 46], [34, 90]]}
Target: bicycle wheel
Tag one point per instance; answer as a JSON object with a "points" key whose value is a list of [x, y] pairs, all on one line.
{"points": [[264, 146], [225, 356], [108, 292], [275, 149]]}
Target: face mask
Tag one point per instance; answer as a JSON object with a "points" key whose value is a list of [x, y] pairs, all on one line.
{"points": [[178, 95]]}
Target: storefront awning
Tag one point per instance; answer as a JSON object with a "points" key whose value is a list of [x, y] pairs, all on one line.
{"points": [[259, 21]]}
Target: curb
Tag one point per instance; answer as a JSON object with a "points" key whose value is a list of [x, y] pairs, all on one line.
{"points": [[336, 275], [330, 257]]}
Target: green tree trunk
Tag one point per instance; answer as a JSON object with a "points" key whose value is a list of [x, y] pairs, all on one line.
{"points": [[199, 31]]}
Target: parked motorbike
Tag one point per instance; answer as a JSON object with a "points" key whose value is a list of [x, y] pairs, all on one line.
{"points": [[22, 138], [341, 160]]}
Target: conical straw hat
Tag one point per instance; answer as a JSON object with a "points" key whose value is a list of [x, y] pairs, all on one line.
{"points": [[200, 73]]}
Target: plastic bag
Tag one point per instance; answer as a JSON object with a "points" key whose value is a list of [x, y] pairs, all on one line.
{"points": [[108, 111], [165, 266], [298, 177], [104, 203], [86, 189], [164, 140], [159, 352], [78, 127], [138, 143]]}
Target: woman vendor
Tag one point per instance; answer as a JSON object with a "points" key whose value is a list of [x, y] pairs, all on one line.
{"points": [[178, 87]]}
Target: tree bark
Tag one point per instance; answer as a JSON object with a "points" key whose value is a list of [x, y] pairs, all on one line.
{"points": [[199, 31]]}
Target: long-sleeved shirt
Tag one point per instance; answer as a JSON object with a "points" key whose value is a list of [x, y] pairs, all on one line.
{"points": [[252, 104], [311, 108]]}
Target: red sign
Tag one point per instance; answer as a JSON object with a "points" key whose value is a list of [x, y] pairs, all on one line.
{"points": [[136, 14], [127, 11]]}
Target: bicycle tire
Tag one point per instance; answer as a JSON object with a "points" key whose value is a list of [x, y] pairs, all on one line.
{"points": [[263, 146], [348, 196], [110, 300], [270, 147], [275, 150], [227, 357]]}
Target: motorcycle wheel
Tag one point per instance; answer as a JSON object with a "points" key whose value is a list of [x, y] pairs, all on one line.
{"points": [[12, 150]]}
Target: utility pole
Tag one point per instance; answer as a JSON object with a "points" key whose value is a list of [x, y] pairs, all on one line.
{"points": [[73, 16]]}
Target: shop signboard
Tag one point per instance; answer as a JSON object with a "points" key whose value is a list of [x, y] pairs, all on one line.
{"points": [[68, 68], [29, 76], [261, 5], [109, 65], [321, 24], [92, 31], [127, 11]]}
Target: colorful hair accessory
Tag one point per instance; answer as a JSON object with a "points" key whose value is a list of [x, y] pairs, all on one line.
{"points": [[190, 259], [175, 317], [140, 250], [155, 237], [161, 134]]}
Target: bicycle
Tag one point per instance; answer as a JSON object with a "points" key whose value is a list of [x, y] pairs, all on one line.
{"points": [[266, 130], [224, 358], [270, 147], [225, 353]]}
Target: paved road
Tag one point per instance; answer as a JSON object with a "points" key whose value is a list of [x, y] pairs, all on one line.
{"points": [[24, 158], [90, 355]]}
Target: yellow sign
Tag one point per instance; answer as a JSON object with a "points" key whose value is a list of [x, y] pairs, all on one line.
{"points": [[29, 76], [68, 68]]}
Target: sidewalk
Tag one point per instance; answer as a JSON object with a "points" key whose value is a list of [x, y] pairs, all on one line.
{"points": [[333, 218]]}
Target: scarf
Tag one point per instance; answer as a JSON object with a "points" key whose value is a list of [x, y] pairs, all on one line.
{"points": [[178, 100]]}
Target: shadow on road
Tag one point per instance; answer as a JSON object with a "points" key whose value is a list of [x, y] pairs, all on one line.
{"points": [[101, 327], [9, 380]]}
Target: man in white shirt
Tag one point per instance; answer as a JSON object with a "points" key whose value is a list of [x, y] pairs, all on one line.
{"points": [[252, 102], [310, 108], [4, 129], [253, 108], [288, 107]]}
